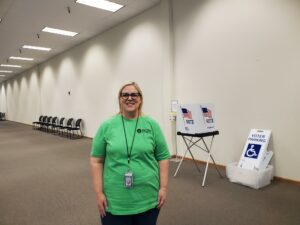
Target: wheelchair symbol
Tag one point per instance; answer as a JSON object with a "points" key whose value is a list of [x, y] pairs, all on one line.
{"points": [[251, 152]]}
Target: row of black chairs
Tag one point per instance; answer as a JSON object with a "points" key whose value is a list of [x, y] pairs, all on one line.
{"points": [[2, 116], [70, 129]]}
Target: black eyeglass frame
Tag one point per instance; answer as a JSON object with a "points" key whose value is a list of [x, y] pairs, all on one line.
{"points": [[133, 95]]}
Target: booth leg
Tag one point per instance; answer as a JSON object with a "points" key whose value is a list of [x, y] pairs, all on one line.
{"points": [[179, 164]]}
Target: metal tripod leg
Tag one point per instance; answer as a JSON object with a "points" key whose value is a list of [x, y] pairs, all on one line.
{"points": [[180, 163], [189, 146], [207, 161]]}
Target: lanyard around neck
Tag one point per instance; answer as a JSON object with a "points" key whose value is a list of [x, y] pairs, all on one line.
{"points": [[127, 148]]}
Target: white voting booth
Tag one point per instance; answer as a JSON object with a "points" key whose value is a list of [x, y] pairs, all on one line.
{"points": [[253, 170], [195, 118], [195, 123]]}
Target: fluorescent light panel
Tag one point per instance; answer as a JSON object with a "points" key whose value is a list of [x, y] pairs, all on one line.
{"points": [[59, 31], [2, 75], [8, 65], [5, 71], [101, 4], [36, 48], [21, 58]]}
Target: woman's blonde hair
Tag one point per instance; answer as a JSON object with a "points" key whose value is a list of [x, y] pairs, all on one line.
{"points": [[136, 86]]}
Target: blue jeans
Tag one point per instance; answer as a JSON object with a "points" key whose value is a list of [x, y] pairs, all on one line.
{"points": [[146, 218]]}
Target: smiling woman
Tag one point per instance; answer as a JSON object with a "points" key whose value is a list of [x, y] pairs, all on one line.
{"points": [[129, 163], [130, 100]]}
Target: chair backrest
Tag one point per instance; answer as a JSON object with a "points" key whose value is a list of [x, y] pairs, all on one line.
{"points": [[49, 119], [78, 122], [45, 119], [54, 120], [61, 121], [69, 122], [41, 118]]}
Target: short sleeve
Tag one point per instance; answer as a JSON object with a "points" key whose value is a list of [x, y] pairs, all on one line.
{"points": [[99, 143], [161, 150]]}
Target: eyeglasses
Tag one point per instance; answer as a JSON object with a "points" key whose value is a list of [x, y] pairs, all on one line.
{"points": [[134, 96]]}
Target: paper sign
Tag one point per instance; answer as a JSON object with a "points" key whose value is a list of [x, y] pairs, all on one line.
{"points": [[255, 149], [195, 118]]}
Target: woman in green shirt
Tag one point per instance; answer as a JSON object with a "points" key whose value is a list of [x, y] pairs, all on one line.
{"points": [[129, 162]]}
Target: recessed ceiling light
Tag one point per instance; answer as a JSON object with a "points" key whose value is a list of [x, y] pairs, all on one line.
{"points": [[36, 48], [59, 31], [101, 4], [8, 65], [5, 71], [21, 58]]}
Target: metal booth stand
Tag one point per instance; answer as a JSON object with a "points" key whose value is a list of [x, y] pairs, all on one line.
{"points": [[191, 140]]}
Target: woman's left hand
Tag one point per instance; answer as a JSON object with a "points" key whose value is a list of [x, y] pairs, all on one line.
{"points": [[162, 196]]}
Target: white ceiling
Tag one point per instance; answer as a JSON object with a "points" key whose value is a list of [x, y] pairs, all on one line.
{"points": [[23, 20]]}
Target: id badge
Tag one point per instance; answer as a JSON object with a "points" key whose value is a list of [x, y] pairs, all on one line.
{"points": [[128, 179]]}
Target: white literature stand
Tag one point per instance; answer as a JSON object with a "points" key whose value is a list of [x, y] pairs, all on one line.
{"points": [[255, 149], [253, 170], [195, 122]]}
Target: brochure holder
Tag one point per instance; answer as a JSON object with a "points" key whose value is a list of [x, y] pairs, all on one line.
{"points": [[192, 140]]}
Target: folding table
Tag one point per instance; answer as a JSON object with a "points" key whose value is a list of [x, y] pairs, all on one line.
{"points": [[190, 141]]}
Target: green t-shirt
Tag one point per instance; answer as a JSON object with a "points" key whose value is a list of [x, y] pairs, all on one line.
{"points": [[149, 147]]}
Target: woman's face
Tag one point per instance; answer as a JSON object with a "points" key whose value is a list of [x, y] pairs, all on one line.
{"points": [[130, 99]]}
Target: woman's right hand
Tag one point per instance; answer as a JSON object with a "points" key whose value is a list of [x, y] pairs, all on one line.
{"points": [[102, 204]]}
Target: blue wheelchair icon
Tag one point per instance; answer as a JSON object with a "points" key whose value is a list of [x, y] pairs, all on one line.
{"points": [[252, 151]]}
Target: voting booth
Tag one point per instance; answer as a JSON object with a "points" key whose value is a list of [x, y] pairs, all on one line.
{"points": [[253, 170], [196, 124], [195, 118]]}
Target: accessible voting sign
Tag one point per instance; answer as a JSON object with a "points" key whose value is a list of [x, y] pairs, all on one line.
{"points": [[255, 150], [195, 118]]}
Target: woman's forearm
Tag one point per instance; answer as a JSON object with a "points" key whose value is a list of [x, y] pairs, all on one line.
{"points": [[164, 173]]}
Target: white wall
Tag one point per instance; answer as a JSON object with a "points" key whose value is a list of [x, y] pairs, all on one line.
{"points": [[2, 98], [94, 71], [23, 97], [241, 55]]}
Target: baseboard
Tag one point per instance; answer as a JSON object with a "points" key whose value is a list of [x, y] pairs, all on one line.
{"points": [[19, 122], [290, 181], [280, 179]]}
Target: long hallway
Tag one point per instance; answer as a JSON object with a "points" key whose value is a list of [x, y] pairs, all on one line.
{"points": [[45, 180]]}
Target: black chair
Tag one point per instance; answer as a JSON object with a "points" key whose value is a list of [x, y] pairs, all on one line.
{"points": [[40, 123], [36, 123], [64, 129], [52, 124], [2, 116], [58, 126], [76, 128], [47, 123]]}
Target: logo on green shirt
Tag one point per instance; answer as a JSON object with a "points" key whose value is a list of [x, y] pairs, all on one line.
{"points": [[143, 130]]}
